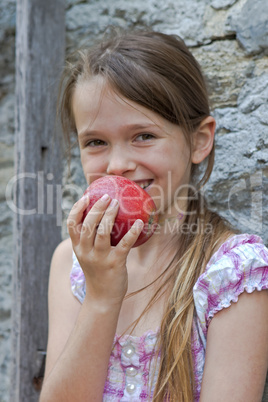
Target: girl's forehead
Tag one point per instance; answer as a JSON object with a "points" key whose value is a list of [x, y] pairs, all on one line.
{"points": [[96, 89], [95, 86], [98, 94], [97, 101]]}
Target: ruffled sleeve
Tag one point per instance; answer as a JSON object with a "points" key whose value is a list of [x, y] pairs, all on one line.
{"points": [[78, 283], [240, 264]]}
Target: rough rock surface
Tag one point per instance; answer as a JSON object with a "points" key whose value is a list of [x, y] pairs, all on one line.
{"points": [[222, 4], [230, 40], [250, 23]]}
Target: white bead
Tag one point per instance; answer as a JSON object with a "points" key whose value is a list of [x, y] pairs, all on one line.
{"points": [[131, 371], [129, 351], [131, 388]]}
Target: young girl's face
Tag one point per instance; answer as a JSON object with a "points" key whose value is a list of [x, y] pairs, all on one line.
{"points": [[119, 137]]}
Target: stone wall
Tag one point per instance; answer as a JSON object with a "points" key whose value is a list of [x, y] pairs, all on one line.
{"points": [[230, 40]]}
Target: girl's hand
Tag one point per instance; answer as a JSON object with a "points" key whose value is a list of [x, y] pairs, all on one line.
{"points": [[104, 266]]}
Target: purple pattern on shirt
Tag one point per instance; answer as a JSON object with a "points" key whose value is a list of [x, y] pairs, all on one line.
{"points": [[240, 264], [142, 355]]}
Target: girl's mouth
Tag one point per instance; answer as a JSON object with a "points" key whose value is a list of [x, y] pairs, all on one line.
{"points": [[144, 184]]}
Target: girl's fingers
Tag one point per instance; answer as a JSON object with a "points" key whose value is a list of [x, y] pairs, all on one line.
{"points": [[103, 233], [75, 218], [97, 226], [92, 221], [131, 236]]}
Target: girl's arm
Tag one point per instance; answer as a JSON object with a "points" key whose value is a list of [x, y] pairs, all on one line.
{"points": [[80, 341], [63, 307], [237, 351], [81, 337]]}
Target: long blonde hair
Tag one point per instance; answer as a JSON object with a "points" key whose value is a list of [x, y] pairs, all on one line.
{"points": [[176, 380], [159, 72]]}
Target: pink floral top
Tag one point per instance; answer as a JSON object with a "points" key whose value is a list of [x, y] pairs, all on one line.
{"points": [[240, 264]]}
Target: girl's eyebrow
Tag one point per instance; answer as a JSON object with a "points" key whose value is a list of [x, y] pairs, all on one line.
{"points": [[133, 127]]}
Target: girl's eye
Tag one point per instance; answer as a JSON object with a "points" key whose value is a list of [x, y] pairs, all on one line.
{"points": [[95, 143], [144, 137]]}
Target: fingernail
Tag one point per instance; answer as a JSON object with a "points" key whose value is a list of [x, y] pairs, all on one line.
{"points": [[138, 224], [84, 200], [105, 197], [114, 203]]}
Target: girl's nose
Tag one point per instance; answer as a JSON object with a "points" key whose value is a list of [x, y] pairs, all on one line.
{"points": [[120, 162]]}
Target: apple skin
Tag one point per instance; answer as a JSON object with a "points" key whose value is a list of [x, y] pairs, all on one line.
{"points": [[134, 203]]}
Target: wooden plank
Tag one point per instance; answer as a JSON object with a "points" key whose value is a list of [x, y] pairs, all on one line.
{"points": [[40, 47]]}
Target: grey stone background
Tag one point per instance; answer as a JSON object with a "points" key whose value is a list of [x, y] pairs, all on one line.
{"points": [[230, 40]]}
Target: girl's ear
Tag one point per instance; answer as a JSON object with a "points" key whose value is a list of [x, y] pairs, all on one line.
{"points": [[203, 139]]}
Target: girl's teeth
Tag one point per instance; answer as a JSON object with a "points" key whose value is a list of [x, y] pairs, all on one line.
{"points": [[144, 185]]}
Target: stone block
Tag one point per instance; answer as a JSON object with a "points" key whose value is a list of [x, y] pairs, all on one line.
{"points": [[250, 23]]}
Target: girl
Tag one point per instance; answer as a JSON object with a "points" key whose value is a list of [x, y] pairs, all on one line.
{"points": [[182, 317]]}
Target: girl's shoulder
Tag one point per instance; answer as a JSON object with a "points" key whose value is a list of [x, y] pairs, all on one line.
{"points": [[61, 263], [239, 253], [64, 252], [240, 264], [240, 245], [65, 246]]}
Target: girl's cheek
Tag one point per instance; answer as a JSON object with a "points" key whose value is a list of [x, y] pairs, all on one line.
{"points": [[93, 171]]}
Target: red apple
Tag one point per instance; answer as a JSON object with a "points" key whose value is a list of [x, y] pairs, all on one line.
{"points": [[134, 203]]}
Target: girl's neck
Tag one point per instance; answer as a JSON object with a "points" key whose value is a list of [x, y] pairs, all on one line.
{"points": [[157, 251], [166, 232]]}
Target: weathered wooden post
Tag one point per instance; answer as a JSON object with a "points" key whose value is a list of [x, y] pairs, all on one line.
{"points": [[40, 48]]}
